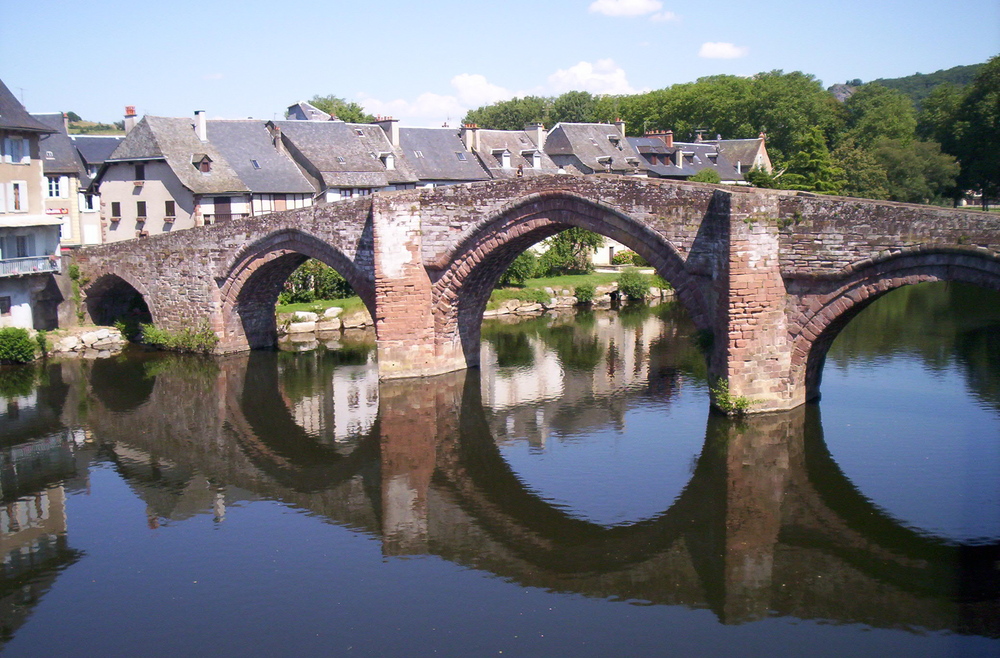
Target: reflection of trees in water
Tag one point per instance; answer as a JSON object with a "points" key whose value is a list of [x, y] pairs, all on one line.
{"points": [[940, 323]]}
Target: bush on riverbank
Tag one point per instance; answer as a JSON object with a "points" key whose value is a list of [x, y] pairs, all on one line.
{"points": [[633, 284], [202, 339], [16, 345]]}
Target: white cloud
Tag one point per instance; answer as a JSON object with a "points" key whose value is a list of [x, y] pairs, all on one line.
{"points": [[427, 110], [720, 50], [625, 7], [664, 17], [601, 77], [474, 90]]}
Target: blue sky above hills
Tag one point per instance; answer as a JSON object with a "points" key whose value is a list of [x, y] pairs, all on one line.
{"points": [[426, 63]]}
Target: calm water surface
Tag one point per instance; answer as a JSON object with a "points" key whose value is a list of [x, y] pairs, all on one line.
{"points": [[575, 496]]}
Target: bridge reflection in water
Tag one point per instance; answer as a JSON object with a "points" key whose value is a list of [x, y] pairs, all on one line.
{"points": [[767, 524]]}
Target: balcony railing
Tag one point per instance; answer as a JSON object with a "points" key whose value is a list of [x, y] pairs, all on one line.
{"points": [[30, 265]]}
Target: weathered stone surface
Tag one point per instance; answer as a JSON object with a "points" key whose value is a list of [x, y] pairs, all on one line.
{"points": [[302, 327], [772, 274]]}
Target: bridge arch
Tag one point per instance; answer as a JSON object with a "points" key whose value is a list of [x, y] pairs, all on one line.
{"points": [[250, 283], [467, 273], [117, 295], [826, 307]]}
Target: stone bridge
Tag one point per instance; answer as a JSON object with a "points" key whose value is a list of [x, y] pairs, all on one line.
{"points": [[773, 275]]}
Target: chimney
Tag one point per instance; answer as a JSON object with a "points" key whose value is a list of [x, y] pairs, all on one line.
{"points": [[390, 127], [129, 118], [65, 123], [279, 145], [536, 131], [620, 125], [668, 138], [470, 136], [200, 125]]}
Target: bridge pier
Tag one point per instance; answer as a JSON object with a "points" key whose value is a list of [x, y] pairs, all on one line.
{"points": [[755, 353]]}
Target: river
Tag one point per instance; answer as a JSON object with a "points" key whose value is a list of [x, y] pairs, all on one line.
{"points": [[573, 497]]}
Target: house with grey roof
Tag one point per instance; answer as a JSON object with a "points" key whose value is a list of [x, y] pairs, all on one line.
{"points": [[665, 158], [333, 156], [510, 153], [92, 151], [175, 173], [305, 111], [593, 148], [745, 154], [439, 157], [29, 238]]}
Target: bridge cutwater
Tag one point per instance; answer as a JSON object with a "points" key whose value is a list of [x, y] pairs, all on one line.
{"points": [[773, 275]]}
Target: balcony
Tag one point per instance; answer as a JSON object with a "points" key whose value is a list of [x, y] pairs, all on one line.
{"points": [[30, 265]]}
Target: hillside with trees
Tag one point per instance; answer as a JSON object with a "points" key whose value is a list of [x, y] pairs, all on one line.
{"points": [[877, 143]]}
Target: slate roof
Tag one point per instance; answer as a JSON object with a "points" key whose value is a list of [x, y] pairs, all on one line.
{"points": [[697, 156], [243, 142], [376, 143], [95, 149], [590, 141], [304, 111], [13, 116], [744, 151], [520, 146], [56, 149], [335, 151], [175, 141], [434, 155]]}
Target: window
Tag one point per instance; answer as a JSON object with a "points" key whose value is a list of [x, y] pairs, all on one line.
{"points": [[116, 210], [418, 154], [140, 172], [256, 165], [5, 305], [361, 133], [341, 159], [140, 210], [205, 166], [22, 246], [87, 203], [17, 196], [461, 156], [16, 150], [169, 208], [55, 190]]}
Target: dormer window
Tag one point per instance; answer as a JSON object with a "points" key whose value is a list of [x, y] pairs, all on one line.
{"points": [[202, 162], [389, 160], [503, 157]]}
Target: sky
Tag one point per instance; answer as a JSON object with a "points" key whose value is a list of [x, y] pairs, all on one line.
{"points": [[427, 63]]}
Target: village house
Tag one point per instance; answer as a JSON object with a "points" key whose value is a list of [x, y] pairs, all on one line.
{"points": [[174, 173], [29, 238], [510, 153], [93, 151], [593, 148]]}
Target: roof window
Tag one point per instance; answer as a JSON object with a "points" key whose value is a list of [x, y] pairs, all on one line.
{"points": [[341, 159], [360, 133], [256, 165], [461, 156], [418, 154]]}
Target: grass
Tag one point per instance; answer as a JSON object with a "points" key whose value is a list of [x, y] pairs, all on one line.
{"points": [[350, 304], [572, 280]]}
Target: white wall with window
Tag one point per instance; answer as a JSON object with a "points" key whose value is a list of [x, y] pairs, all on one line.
{"points": [[16, 150]]}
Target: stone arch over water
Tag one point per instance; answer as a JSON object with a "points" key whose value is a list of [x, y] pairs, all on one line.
{"points": [[250, 285], [118, 296], [826, 307], [468, 273]]}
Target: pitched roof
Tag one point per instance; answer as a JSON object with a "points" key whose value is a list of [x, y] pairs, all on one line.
{"points": [[245, 142], [592, 143], [56, 149], [304, 111], [744, 151], [13, 116], [437, 154], [335, 151], [377, 144], [492, 144], [95, 149], [696, 156], [175, 141]]}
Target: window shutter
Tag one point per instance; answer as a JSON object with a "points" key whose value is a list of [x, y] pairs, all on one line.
{"points": [[64, 187]]}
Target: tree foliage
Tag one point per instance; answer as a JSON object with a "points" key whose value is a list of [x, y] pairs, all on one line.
{"points": [[812, 168], [916, 171], [344, 110], [875, 112], [570, 252]]}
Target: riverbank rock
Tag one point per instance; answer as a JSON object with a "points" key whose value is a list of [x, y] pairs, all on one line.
{"points": [[356, 319], [92, 341]]}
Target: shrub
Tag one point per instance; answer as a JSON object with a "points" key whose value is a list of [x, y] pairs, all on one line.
{"points": [[633, 284], [42, 340], [626, 257], [522, 269], [706, 176], [202, 339], [16, 346], [658, 281], [584, 293]]}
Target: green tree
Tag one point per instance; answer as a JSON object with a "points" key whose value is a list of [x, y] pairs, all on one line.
{"points": [[522, 269], [917, 172], [977, 128], [875, 112], [512, 114], [73, 116], [344, 110], [864, 175], [574, 107], [812, 169], [761, 178], [570, 252]]}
